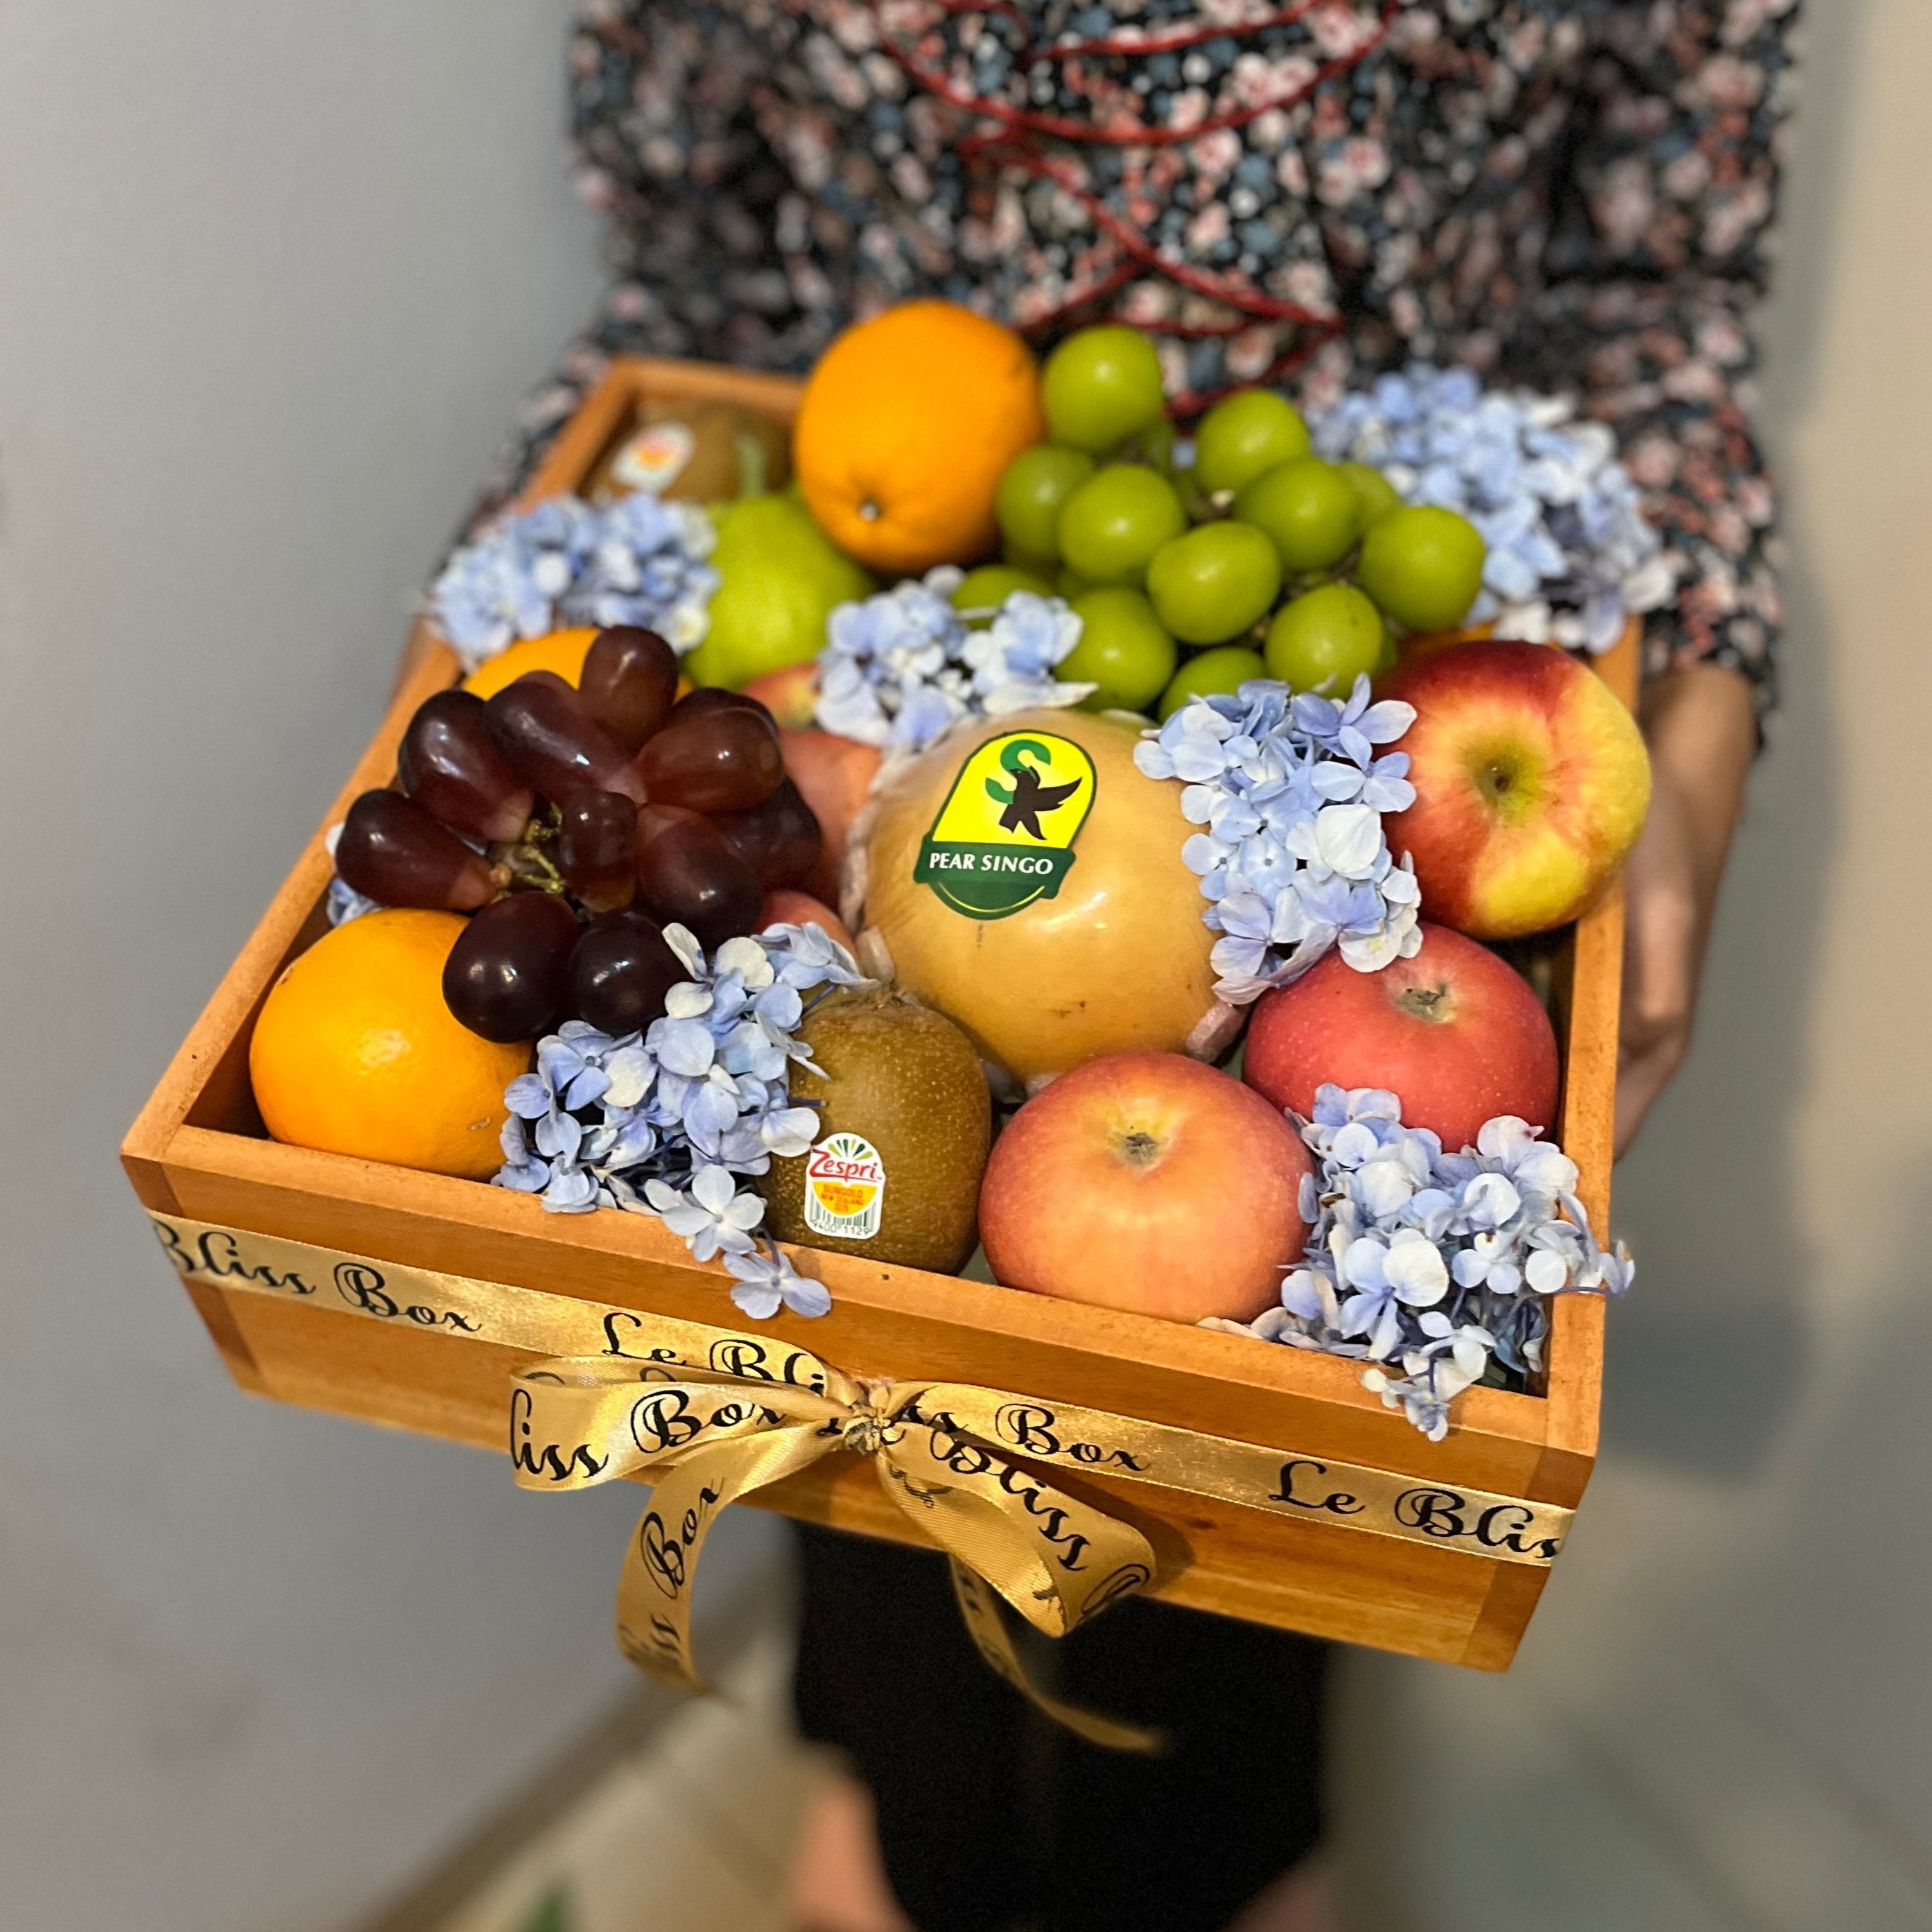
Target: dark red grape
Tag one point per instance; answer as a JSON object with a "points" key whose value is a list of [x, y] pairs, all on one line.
{"points": [[597, 848], [392, 851], [714, 697], [508, 977], [621, 971], [449, 764], [721, 759], [628, 683], [545, 731], [687, 870], [779, 838]]}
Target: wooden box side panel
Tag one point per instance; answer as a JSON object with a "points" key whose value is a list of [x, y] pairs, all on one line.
{"points": [[887, 1321], [206, 1084], [1589, 1002], [1218, 1557]]}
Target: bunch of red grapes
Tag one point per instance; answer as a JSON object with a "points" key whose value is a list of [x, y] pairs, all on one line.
{"points": [[606, 812]]}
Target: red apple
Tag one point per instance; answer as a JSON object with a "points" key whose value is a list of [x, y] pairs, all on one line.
{"points": [[835, 776], [1148, 1182], [1531, 779], [1454, 1032], [784, 905]]}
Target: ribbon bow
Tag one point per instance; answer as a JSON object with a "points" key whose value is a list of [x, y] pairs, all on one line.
{"points": [[704, 1435]]}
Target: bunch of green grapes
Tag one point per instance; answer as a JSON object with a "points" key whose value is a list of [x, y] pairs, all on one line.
{"points": [[1258, 559]]}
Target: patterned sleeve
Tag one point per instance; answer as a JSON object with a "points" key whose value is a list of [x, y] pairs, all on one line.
{"points": [[1659, 242]]}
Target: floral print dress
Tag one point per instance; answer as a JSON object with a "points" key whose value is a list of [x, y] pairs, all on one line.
{"points": [[1576, 195]]}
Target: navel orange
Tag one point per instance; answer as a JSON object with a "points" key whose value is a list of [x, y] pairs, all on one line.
{"points": [[906, 424], [562, 652], [355, 1052]]}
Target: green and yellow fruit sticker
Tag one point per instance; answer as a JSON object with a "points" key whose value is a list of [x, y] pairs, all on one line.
{"points": [[1004, 837]]}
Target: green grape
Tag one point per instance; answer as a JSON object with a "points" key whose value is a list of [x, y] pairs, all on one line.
{"points": [[1070, 584], [1324, 640], [1424, 565], [1308, 509], [1034, 488], [1245, 435], [986, 589], [1100, 386], [1207, 674], [1375, 496], [1212, 584], [1116, 521], [1122, 648]]}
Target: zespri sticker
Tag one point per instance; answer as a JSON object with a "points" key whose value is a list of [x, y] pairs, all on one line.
{"points": [[655, 458], [1004, 836], [845, 1187]]}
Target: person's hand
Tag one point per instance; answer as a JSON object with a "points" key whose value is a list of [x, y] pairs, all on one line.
{"points": [[1664, 928], [1702, 728]]}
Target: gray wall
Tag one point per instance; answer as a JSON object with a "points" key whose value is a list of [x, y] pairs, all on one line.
{"points": [[1722, 1717], [273, 277]]}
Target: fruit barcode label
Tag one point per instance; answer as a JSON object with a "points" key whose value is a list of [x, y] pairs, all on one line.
{"points": [[655, 458], [845, 1187], [1004, 837]]}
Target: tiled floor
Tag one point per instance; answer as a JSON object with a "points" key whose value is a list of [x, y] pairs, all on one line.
{"points": [[689, 1834]]}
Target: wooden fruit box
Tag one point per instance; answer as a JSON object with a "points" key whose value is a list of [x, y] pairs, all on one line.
{"points": [[198, 1151]]}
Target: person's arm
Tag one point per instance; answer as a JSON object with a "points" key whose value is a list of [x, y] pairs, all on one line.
{"points": [[1701, 721], [1658, 247]]}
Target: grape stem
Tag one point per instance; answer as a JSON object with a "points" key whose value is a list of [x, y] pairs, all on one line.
{"points": [[523, 860]]}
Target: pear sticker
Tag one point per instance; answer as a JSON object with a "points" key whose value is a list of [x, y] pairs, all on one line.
{"points": [[1004, 835]]}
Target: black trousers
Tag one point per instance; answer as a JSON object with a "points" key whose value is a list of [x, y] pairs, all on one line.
{"points": [[992, 1817]]}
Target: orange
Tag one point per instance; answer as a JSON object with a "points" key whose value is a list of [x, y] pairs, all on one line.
{"points": [[562, 652], [905, 428], [355, 1052]]}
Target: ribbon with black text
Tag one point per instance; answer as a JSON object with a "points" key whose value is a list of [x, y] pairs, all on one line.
{"points": [[708, 1414]]}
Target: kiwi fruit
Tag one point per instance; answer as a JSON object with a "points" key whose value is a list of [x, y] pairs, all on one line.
{"points": [[906, 1081], [735, 451]]}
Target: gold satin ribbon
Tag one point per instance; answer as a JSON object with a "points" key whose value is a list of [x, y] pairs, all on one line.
{"points": [[720, 1414], [705, 1439]]}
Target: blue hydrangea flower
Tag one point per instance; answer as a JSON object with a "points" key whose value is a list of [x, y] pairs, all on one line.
{"points": [[1291, 791], [343, 901], [1570, 554], [712, 1216], [899, 667], [638, 560], [766, 1282], [661, 1122], [1429, 1266]]}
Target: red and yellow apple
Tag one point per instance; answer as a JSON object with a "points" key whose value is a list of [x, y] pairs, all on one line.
{"points": [[1531, 779], [834, 776], [785, 905], [791, 695], [1454, 1032], [1148, 1182]]}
